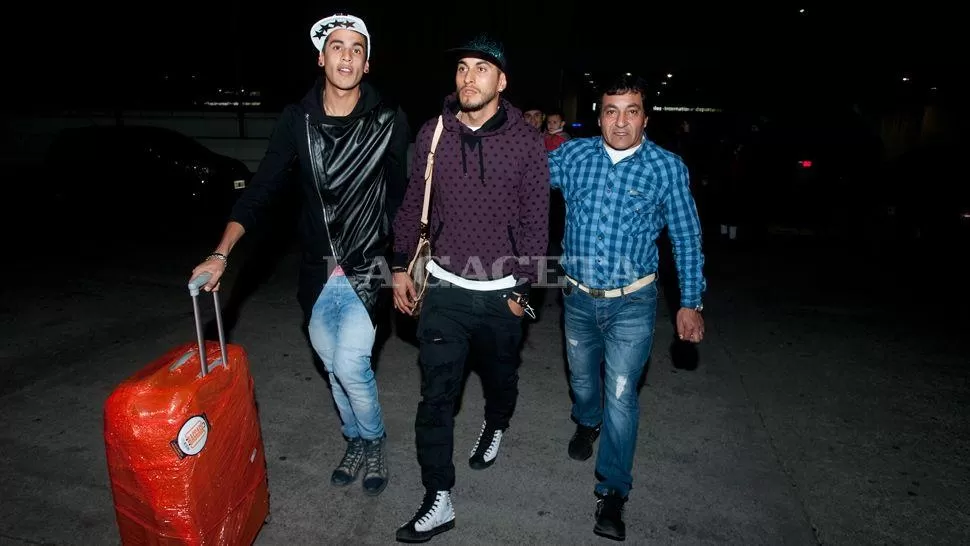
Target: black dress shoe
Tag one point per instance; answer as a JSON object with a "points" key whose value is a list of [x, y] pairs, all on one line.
{"points": [[609, 517]]}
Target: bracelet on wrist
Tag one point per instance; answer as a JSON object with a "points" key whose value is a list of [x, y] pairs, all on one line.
{"points": [[217, 256]]}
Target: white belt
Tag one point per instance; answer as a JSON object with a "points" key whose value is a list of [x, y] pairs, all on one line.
{"points": [[614, 292], [481, 286]]}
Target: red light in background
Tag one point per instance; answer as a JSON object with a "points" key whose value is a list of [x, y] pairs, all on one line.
{"points": [[805, 163]]}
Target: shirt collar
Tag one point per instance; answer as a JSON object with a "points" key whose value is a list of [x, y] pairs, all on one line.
{"points": [[637, 153]]}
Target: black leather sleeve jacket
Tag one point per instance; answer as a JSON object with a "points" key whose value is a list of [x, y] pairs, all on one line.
{"points": [[352, 175]]}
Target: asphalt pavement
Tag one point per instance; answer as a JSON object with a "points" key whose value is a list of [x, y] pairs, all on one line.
{"points": [[826, 406]]}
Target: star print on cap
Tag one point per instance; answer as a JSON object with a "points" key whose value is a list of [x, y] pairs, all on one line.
{"points": [[322, 28]]}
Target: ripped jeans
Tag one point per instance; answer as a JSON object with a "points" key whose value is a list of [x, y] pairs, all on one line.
{"points": [[619, 331]]}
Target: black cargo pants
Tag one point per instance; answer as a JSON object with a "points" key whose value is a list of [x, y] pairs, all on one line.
{"points": [[454, 321]]}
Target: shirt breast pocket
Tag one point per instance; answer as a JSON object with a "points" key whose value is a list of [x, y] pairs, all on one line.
{"points": [[639, 209]]}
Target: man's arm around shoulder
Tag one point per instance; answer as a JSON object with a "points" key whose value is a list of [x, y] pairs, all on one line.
{"points": [[557, 160]]}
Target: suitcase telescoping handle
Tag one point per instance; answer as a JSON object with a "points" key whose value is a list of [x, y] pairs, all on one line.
{"points": [[194, 287]]}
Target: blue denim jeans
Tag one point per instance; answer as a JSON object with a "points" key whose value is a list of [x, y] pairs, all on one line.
{"points": [[343, 335], [619, 331]]}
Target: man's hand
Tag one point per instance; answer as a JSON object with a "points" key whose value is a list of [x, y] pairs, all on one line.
{"points": [[215, 267], [404, 293], [215, 263], [690, 325], [517, 309]]}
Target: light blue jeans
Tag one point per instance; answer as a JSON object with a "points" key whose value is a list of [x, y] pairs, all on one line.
{"points": [[620, 332], [343, 335]]}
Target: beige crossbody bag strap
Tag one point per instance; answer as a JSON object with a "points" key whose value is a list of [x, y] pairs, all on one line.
{"points": [[428, 171]]}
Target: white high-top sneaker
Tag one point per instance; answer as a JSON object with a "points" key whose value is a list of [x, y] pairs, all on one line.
{"points": [[435, 516], [486, 447]]}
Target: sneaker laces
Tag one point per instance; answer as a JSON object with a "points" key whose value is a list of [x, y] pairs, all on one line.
{"points": [[428, 506], [494, 438], [353, 455], [374, 458]]}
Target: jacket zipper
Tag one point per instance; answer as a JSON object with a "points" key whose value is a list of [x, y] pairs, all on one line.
{"points": [[316, 186]]}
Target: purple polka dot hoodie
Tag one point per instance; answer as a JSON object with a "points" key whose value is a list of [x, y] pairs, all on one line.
{"points": [[489, 213]]}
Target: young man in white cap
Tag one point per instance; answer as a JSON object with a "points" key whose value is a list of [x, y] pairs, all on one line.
{"points": [[346, 147], [489, 225]]}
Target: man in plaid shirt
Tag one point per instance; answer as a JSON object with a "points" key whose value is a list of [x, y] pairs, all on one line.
{"points": [[621, 190]]}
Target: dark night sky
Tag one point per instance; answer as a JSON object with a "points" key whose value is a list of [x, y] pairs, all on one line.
{"points": [[77, 55]]}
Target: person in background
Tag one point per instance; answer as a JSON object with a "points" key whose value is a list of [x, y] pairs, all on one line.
{"points": [[555, 130], [535, 118]]}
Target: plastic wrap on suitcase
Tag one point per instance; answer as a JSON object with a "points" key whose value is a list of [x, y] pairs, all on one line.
{"points": [[185, 451]]}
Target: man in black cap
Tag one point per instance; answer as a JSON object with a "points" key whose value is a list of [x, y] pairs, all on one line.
{"points": [[488, 223]]}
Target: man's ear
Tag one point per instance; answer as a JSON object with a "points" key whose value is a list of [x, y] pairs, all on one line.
{"points": [[366, 67], [320, 58], [502, 82]]}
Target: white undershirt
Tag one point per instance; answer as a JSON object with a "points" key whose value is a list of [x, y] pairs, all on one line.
{"points": [[619, 155], [458, 115]]}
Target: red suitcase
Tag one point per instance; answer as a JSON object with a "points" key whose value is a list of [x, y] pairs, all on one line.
{"points": [[184, 446]]}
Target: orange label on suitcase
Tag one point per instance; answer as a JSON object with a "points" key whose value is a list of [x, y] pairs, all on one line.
{"points": [[192, 436]]}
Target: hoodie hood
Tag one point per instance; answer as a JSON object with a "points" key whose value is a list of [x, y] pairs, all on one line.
{"points": [[312, 103], [505, 117]]}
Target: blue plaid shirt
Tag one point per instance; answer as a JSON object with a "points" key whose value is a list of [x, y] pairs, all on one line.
{"points": [[614, 214]]}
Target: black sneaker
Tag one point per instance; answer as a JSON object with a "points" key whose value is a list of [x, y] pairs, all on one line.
{"points": [[346, 471], [609, 517], [581, 445], [486, 447], [435, 516], [375, 467]]}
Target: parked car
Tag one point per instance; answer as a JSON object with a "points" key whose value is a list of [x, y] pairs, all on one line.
{"points": [[103, 175]]}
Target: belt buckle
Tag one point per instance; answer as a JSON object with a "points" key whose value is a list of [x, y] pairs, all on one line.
{"points": [[597, 292]]}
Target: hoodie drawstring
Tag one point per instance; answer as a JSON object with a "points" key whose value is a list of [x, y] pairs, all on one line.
{"points": [[472, 141]]}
